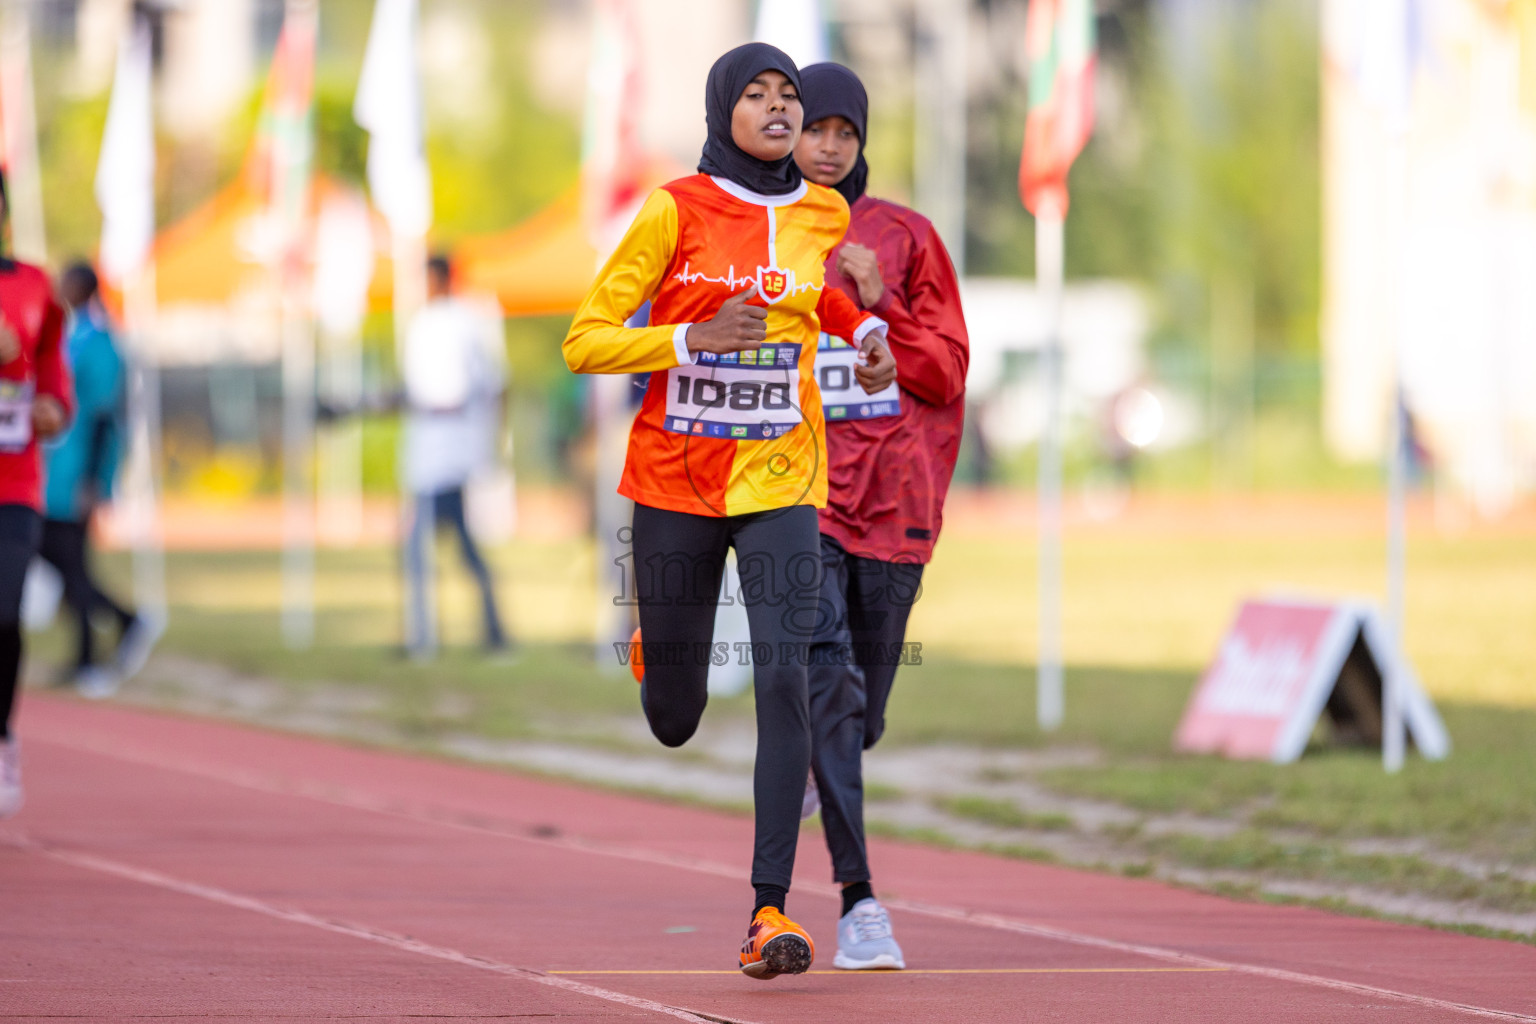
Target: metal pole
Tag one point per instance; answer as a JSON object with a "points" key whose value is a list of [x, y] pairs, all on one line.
{"points": [[1393, 738], [939, 121], [611, 514], [410, 258], [1049, 276], [140, 489], [298, 496]]}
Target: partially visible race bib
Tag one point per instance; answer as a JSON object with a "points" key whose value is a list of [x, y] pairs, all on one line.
{"points": [[841, 396], [743, 396], [15, 415]]}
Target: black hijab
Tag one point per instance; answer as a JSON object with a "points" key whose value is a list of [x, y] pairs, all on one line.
{"points": [[731, 74], [831, 90]]}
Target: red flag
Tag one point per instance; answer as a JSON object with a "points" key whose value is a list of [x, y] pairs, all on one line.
{"points": [[279, 165], [1059, 41]]}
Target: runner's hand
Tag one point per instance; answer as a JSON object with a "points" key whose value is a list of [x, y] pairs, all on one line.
{"points": [[47, 417], [876, 369], [10, 345], [860, 263], [735, 328]]}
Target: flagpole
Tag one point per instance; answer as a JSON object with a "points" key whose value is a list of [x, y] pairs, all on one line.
{"points": [[409, 253], [388, 107], [140, 479], [1050, 247], [298, 373], [1393, 725], [290, 174], [124, 189]]}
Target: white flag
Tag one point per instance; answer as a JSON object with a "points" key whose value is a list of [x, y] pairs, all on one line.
{"points": [[18, 136], [125, 173], [1389, 43], [388, 107], [794, 26], [344, 260]]}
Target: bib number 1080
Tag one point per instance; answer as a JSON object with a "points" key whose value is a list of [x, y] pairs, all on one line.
{"points": [[741, 395]]}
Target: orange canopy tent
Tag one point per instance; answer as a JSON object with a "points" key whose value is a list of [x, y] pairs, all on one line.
{"points": [[216, 253], [542, 266], [545, 264]]}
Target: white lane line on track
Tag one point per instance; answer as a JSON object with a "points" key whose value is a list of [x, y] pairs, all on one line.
{"points": [[344, 796], [403, 943]]}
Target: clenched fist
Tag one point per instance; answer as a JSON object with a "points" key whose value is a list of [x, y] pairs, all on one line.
{"points": [[736, 327], [877, 370], [47, 417], [859, 264]]}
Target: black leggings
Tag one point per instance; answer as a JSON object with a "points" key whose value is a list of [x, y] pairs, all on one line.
{"points": [[853, 666], [20, 528], [66, 545], [679, 560]]}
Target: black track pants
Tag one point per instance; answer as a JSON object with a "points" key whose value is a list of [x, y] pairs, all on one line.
{"points": [[66, 545], [20, 530], [865, 604], [679, 560]]}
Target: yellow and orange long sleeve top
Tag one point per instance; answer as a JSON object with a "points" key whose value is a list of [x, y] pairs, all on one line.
{"points": [[737, 433]]}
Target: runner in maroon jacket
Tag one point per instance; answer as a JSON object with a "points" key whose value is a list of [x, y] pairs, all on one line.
{"points": [[890, 459], [35, 397]]}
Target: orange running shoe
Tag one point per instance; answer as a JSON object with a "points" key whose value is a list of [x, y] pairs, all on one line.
{"points": [[636, 662], [775, 945]]}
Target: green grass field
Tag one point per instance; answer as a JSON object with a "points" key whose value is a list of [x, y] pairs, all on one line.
{"points": [[1145, 608]]}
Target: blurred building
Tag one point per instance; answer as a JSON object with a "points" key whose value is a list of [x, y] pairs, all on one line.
{"points": [[1430, 238]]}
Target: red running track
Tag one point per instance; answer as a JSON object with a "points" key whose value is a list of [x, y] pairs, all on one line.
{"points": [[168, 867]]}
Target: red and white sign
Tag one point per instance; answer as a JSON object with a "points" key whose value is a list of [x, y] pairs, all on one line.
{"points": [[1276, 669]]}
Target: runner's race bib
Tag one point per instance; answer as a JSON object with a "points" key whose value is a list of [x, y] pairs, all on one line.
{"points": [[743, 396], [15, 415], [841, 396]]}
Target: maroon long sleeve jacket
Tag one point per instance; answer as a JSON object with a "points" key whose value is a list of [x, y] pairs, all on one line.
{"points": [[889, 476]]}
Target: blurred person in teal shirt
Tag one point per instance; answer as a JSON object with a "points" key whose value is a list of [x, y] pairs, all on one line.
{"points": [[79, 470]]}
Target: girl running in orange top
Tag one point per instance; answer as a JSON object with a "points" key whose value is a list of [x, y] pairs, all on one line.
{"points": [[728, 448]]}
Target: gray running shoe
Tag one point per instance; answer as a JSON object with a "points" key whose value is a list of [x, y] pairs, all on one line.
{"points": [[96, 682], [137, 641], [864, 940]]}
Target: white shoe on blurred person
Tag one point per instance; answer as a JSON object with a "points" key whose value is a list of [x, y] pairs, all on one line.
{"points": [[810, 803], [138, 640], [96, 682], [10, 777]]}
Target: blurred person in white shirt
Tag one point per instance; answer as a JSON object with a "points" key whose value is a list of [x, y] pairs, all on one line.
{"points": [[453, 369]]}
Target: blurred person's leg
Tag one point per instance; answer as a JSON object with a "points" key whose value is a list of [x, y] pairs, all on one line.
{"points": [[880, 600], [124, 615], [21, 530], [63, 547], [779, 558], [419, 628], [836, 685], [449, 509], [20, 533], [679, 562]]}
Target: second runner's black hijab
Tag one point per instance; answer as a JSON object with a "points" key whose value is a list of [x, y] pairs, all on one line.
{"points": [[731, 74], [831, 90]]}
